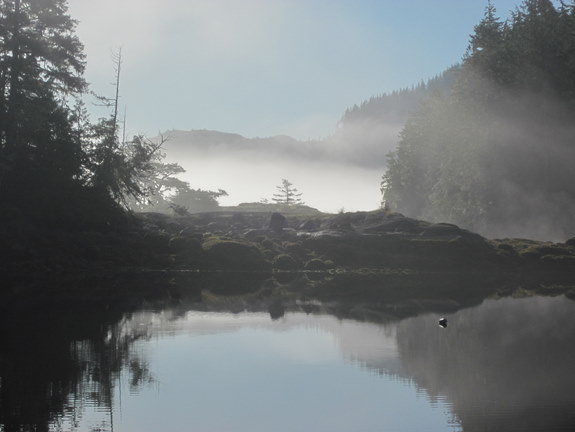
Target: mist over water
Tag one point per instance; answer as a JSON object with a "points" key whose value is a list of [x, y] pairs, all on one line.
{"points": [[251, 175]]}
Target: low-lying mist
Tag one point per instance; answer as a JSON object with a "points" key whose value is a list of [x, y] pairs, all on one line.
{"points": [[501, 169], [251, 175]]}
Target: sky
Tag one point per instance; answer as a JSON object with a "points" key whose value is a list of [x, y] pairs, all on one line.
{"points": [[266, 67]]}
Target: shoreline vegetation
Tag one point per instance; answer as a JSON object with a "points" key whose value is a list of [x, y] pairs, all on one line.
{"points": [[365, 265], [370, 241]]}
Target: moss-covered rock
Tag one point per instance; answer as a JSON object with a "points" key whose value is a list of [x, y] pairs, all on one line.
{"points": [[295, 249], [184, 245], [277, 222], [157, 240], [285, 262], [316, 264], [269, 244], [230, 254]]}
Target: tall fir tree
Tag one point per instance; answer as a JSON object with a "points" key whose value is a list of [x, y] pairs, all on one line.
{"points": [[41, 65], [41, 60]]}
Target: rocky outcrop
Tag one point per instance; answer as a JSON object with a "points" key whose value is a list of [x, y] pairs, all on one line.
{"points": [[346, 242], [377, 240]]}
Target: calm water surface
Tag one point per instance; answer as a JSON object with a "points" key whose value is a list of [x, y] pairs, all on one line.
{"points": [[506, 364]]}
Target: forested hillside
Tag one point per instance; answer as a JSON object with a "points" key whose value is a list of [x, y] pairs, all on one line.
{"points": [[496, 155], [370, 130], [395, 107]]}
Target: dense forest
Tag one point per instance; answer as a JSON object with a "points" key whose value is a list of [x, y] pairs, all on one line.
{"points": [[58, 168], [397, 106], [496, 154]]}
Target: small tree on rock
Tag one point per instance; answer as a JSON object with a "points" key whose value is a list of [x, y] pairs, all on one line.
{"points": [[287, 194]]}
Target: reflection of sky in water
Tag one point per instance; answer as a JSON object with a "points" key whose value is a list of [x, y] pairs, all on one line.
{"points": [[506, 364], [219, 372]]}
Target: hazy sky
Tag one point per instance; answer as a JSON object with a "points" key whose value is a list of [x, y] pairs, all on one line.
{"points": [[266, 67]]}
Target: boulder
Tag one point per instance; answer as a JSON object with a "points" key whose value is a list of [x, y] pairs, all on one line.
{"points": [[395, 225], [315, 265], [185, 245], [277, 222], [233, 255], [285, 262]]}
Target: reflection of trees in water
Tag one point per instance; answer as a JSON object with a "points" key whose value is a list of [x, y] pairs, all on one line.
{"points": [[505, 365], [499, 358], [52, 370], [65, 355]]}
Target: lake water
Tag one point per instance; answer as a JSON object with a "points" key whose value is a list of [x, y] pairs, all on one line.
{"points": [[506, 364]]}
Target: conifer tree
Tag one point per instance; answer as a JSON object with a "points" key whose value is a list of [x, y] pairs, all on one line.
{"points": [[485, 44], [287, 194], [41, 62], [493, 156], [41, 65]]}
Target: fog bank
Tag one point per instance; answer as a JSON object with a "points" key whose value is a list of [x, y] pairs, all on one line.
{"points": [[252, 176]]}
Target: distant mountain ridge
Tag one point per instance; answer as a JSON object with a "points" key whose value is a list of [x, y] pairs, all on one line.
{"points": [[364, 136], [201, 141]]}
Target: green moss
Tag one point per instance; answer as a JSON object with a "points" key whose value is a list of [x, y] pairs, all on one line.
{"points": [[285, 262], [157, 240], [295, 249], [315, 264], [184, 245], [233, 255], [268, 244]]}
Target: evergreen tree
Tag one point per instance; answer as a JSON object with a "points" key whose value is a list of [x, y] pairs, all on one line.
{"points": [[494, 155], [159, 185], [486, 62], [41, 61], [196, 200], [50, 154], [536, 41], [287, 194], [41, 64]]}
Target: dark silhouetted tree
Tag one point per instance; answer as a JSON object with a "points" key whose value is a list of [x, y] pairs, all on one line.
{"points": [[197, 200], [41, 61], [41, 65]]}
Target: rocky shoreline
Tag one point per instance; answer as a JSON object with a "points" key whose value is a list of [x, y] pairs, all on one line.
{"points": [[375, 259], [239, 241]]}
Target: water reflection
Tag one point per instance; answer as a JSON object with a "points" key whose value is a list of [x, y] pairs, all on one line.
{"points": [[503, 365], [506, 365], [54, 368], [219, 371]]}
